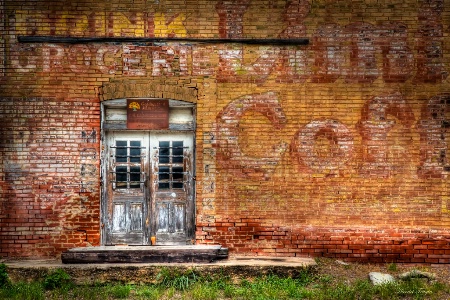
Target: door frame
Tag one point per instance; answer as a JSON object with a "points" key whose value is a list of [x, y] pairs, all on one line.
{"points": [[113, 118]]}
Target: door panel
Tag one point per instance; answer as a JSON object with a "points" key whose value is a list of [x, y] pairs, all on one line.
{"points": [[136, 216], [127, 202], [162, 217], [150, 190], [119, 217], [172, 186], [179, 217]]}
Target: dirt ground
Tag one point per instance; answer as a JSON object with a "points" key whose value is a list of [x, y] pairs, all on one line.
{"points": [[243, 267], [351, 272]]}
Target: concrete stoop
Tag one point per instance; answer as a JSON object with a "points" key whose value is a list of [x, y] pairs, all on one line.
{"points": [[146, 254], [236, 268]]}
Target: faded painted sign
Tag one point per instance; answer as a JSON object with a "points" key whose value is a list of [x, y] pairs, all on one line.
{"points": [[66, 23], [147, 114], [374, 127]]}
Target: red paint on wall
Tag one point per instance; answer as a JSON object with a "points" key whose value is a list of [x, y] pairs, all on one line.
{"points": [[227, 134], [374, 128], [430, 66], [231, 15], [433, 143], [338, 152]]}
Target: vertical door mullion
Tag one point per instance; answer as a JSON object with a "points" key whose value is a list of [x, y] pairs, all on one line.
{"points": [[169, 165], [171, 218], [128, 164]]}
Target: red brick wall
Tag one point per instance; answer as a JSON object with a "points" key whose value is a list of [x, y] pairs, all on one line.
{"points": [[338, 148], [50, 175], [365, 244]]}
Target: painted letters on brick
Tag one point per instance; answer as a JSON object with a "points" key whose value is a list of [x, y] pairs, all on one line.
{"points": [[433, 144], [294, 16], [374, 127], [231, 14], [339, 149], [228, 133], [430, 67], [137, 24]]}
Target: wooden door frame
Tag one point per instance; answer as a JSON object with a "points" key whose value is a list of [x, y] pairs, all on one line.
{"points": [[120, 125]]}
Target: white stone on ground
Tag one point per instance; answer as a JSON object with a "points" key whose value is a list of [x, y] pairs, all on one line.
{"points": [[380, 278]]}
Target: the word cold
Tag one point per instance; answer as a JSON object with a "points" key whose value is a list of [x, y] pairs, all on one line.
{"points": [[432, 128], [374, 128], [227, 133]]}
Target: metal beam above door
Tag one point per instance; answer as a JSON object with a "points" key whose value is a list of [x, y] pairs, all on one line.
{"points": [[85, 40]]}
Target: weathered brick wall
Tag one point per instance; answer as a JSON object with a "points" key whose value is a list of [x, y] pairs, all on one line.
{"points": [[50, 185], [338, 148]]}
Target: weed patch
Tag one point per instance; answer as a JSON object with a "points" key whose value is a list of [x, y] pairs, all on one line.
{"points": [[57, 279], [179, 281], [4, 279], [392, 267], [23, 291], [151, 292], [120, 291]]}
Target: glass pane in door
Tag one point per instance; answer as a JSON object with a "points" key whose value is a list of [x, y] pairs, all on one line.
{"points": [[128, 168], [170, 165]]}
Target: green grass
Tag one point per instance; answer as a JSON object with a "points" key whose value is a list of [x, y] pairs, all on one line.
{"points": [[23, 291], [190, 285], [4, 278], [57, 279]]}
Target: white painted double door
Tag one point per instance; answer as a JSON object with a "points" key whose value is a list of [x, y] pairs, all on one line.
{"points": [[149, 188]]}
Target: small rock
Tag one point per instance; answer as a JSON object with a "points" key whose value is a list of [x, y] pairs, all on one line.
{"points": [[380, 278], [417, 274], [342, 263]]}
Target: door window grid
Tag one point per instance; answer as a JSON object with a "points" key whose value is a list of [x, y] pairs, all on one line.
{"points": [[128, 169], [171, 165]]}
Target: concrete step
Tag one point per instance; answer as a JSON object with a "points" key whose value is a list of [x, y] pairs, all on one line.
{"points": [[145, 254]]}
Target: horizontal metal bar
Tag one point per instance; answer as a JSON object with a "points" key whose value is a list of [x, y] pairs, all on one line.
{"points": [[186, 147], [173, 181], [126, 147], [83, 40], [125, 172], [127, 181], [157, 173]]}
